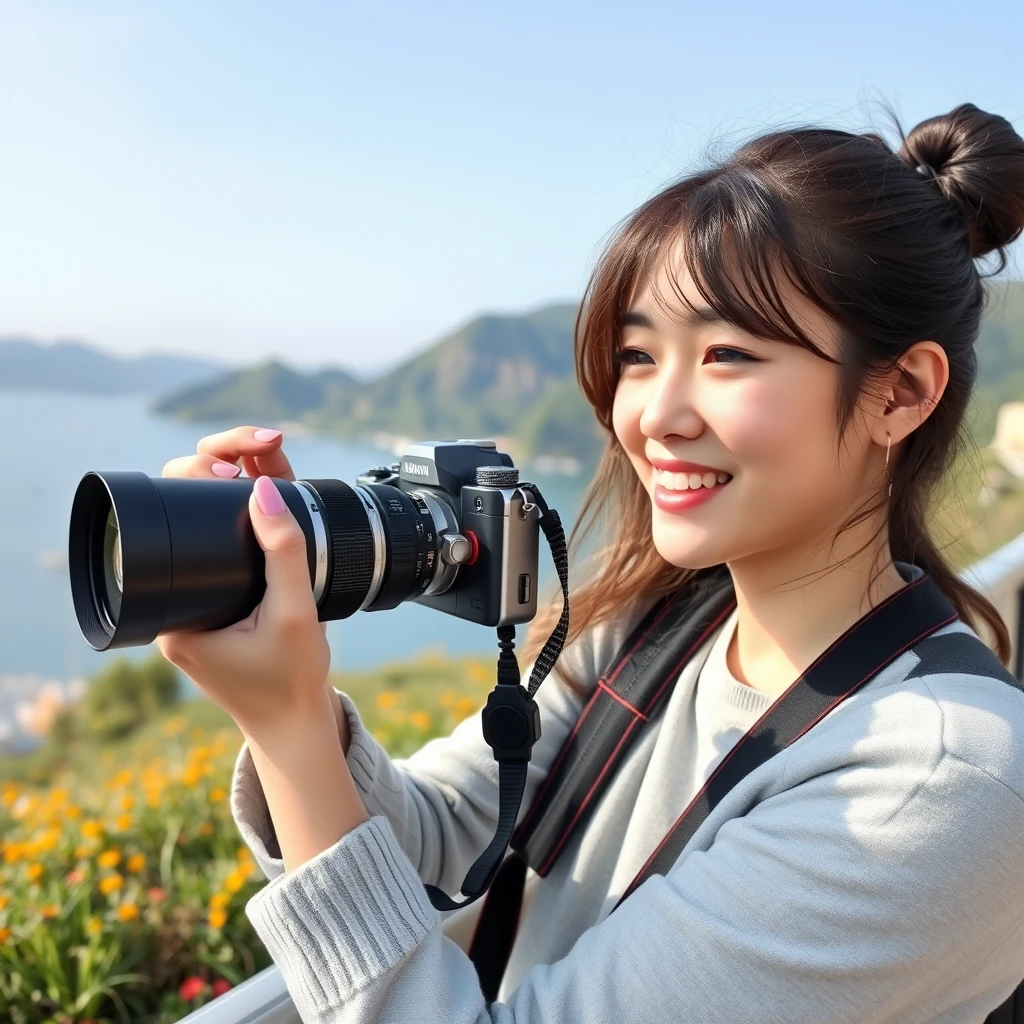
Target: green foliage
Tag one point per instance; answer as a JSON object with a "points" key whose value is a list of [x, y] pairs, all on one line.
{"points": [[127, 694]]}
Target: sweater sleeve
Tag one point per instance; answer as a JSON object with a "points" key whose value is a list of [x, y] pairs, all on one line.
{"points": [[442, 802], [816, 906]]}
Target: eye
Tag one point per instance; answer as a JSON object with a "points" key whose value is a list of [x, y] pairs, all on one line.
{"points": [[632, 357], [742, 356]]}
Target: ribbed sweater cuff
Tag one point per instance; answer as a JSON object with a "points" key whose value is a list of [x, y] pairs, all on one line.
{"points": [[345, 917], [249, 804]]}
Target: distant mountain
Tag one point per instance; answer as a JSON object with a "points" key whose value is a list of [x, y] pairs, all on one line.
{"points": [[493, 377], [268, 391], [73, 366]]}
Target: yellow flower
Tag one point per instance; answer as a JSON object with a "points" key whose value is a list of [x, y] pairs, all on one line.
{"points": [[127, 802], [121, 780], [124, 822], [191, 775], [218, 918], [199, 754], [244, 853], [234, 881], [82, 851], [480, 673], [4, 900], [72, 811], [109, 858], [93, 926], [91, 829], [48, 840], [5, 934], [217, 794], [10, 795], [219, 900], [420, 719], [127, 912], [174, 725], [111, 884], [386, 700], [58, 797], [49, 910], [136, 862], [447, 699], [34, 872], [466, 706]]}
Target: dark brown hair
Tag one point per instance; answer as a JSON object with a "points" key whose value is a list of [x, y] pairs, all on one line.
{"points": [[883, 242]]}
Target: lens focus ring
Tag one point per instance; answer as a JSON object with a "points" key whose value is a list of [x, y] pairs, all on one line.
{"points": [[350, 547]]}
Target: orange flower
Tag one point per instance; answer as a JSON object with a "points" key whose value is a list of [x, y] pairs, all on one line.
{"points": [[91, 829], [219, 900], [4, 900], [206, 829], [420, 719], [136, 862], [234, 881], [109, 858], [5, 934], [127, 912], [49, 910], [34, 872], [127, 802], [387, 700], [111, 884], [122, 779], [124, 822], [217, 794], [218, 918]]}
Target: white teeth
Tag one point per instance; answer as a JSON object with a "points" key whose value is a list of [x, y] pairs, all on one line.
{"points": [[690, 481]]}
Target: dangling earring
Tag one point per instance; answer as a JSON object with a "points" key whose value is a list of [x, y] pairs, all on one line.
{"points": [[888, 445]]}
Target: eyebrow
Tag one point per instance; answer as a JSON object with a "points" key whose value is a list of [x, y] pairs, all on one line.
{"points": [[690, 318]]}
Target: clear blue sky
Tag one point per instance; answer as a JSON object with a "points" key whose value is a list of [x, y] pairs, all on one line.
{"points": [[342, 183]]}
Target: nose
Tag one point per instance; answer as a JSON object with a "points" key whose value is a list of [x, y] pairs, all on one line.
{"points": [[669, 409]]}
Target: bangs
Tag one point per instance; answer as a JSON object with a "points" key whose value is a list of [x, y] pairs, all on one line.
{"points": [[742, 252]]}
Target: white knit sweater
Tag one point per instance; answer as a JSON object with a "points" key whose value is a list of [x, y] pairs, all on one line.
{"points": [[873, 871]]}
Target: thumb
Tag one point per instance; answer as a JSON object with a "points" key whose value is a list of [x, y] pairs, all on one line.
{"points": [[284, 547]]}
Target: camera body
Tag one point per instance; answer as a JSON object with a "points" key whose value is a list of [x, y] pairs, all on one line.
{"points": [[484, 528]]}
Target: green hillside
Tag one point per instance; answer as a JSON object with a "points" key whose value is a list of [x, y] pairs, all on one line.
{"points": [[512, 377]]}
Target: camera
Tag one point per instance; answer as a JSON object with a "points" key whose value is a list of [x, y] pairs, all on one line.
{"points": [[448, 526]]}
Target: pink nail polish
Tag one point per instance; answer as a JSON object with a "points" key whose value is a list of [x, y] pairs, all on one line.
{"points": [[225, 470], [263, 434], [268, 497]]}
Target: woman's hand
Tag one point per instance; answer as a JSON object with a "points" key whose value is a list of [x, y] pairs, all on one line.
{"points": [[274, 663]]}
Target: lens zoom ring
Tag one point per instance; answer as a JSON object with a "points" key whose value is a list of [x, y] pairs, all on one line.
{"points": [[350, 543]]}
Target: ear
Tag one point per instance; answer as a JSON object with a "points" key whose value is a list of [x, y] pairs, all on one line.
{"points": [[906, 408]]}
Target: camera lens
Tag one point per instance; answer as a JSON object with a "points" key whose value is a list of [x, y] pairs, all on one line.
{"points": [[154, 555]]}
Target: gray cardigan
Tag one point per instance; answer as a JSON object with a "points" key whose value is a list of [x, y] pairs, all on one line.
{"points": [[873, 871]]}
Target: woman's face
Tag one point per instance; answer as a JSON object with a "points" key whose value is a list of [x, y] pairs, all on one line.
{"points": [[734, 437]]}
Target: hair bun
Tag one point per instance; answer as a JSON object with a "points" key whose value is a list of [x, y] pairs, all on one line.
{"points": [[978, 160]]}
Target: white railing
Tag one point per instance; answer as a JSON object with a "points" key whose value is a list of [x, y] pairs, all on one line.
{"points": [[264, 999]]}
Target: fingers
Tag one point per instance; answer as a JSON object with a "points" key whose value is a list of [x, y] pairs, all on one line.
{"points": [[259, 458], [289, 595], [200, 466]]}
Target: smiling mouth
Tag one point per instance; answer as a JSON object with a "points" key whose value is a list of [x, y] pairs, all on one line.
{"points": [[689, 481]]}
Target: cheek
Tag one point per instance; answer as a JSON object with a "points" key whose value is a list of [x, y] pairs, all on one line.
{"points": [[627, 409]]}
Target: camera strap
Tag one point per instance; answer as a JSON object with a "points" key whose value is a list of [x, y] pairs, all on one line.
{"points": [[636, 687], [511, 718]]}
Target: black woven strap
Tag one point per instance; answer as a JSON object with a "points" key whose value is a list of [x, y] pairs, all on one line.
{"points": [[657, 651]]}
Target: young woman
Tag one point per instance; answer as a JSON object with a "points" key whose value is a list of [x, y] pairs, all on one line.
{"points": [[781, 350]]}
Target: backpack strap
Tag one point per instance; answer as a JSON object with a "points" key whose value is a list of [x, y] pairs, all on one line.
{"points": [[628, 696], [637, 686]]}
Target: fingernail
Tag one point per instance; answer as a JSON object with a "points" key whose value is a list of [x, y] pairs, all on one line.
{"points": [[268, 497], [225, 469], [263, 434]]}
